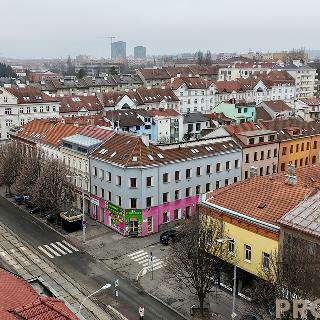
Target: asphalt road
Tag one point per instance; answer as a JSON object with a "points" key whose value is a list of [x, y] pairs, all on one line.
{"points": [[84, 269]]}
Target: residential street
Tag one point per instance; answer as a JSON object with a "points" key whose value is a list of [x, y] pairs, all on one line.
{"points": [[83, 268]]}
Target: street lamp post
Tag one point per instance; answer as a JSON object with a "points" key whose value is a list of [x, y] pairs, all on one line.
{"points": [[105, 287], [233, 314], [83, 214]]}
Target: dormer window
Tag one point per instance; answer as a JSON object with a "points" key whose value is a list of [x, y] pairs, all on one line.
{"points": [[261, 139], [251, 141], [271, 137]]}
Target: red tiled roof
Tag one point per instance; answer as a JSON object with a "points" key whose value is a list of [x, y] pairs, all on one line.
{"points": [[76, 103], [277, 196], [111, 98], [277, 105], [313, 101], [46, 131], [95, 132], [156, 95], [159, 73], [163, 112], [190, 82], [19, 299], [262, 114], [243, 127], [29, 94]]}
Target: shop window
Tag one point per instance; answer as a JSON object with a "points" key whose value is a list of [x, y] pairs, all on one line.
{"points": [[149, 225], [176, 214], [188, 212], [166, 217]]}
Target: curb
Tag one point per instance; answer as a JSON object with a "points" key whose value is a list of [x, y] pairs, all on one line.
{"points": [[167, 305]]}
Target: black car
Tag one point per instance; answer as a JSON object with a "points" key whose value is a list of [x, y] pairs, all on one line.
{"points": [[21, 198], [34, 210], [52, 217], [168, 236]]}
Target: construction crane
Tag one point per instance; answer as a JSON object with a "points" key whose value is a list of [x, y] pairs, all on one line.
{"points": [[111, 38]]}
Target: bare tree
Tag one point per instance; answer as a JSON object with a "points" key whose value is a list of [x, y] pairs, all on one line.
{"points": [[292, 273], [53, 190], [297, 54], [208, 58], [11, 157], [29, 171], [195, 259]]}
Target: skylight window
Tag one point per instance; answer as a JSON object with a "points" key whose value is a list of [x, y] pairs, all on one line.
{"points": [[224, 146], [113, 154], [194, 150], [160, 155], [103, 151], [135, 158], [150, 156]]}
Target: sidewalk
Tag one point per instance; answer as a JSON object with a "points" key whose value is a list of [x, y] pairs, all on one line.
{"points": [[23, 261]]}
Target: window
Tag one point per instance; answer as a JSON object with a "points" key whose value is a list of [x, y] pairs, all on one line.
{"points": [[198, 126], [261, 155], [297, 148], [239, 110], [166, 217], [275, 152], [188, 192], [148, 202], [314, 159], [269, 154], [165, 197], [176, 194], [247, 252], [228, 165], [21, 109], [247, 158], [301, 162], [218, 167], [177, 175], [208, 169], [176, 214], [208, 187], [7, 111], [188, 173], [109, 195], [198, 171], [28, 109], [149, 181], [231, 246], [261, 171], [21, 122], [265, 260], [271, 138], [284, 151], [47, 108], [246, 174], [226, 182], [133, 203], [315, 144], [302, 147], [295, 163], [251, 141], [198, 189], [95, 190], [109, 176], [268, 170], [307, 161], [308, 145], [274, 168], [133, 182], [190, 127], [118, 200], [255, 157], [217, 184], [236, 164], [102, 193], [283, 166], [291, 148], [261, 139], [118, 180], [5, 99], [235, 179], [165, 177], [94, 169], [101, 174], [41, 108], [54, 108]]}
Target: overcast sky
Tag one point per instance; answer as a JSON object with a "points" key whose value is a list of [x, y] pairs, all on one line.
{"points": [[44, 28]]}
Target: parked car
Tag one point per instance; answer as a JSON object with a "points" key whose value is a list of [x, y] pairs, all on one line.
{"points": [[168, 236], [52, 217], [21, 198], [34, 210]]}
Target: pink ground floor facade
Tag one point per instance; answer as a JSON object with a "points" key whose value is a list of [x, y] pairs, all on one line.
{"points": [[140, 222]]}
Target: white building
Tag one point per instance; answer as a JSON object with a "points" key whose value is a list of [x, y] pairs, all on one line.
{"points": [[19, 105], [195, 93], [305, 78], [308, 108]]}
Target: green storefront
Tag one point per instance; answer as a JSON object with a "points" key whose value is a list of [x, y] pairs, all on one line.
{"points": [[133, 218]]}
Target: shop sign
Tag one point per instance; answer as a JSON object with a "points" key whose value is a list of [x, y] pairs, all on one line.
{"points": [[133, 214], [116, 213]]}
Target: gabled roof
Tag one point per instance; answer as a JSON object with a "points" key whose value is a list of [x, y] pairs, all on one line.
{"points": [[277, 105], [76, 103], [125, 118], [127, 150], [194, 117], [19, 300], [163, 112], [313, 101], [29, 94], [153, 95], [272, 193], [262, 114], [190, 82], [153, 74]]}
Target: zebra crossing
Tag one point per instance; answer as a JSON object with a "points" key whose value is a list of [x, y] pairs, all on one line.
{"points": [[57, 249], [143, 258]]}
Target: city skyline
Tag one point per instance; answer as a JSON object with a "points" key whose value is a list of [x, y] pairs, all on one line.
{"points": [[80, 29]]}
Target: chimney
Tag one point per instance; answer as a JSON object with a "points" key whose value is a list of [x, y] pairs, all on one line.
{"points": [[290, 178], [145, 140], [253, 171], [172, 79], [63, 121], [178, 75], [76, 123]]}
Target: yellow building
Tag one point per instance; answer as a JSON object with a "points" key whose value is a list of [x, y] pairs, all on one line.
{"points": [[299, 142], [250, 210]]}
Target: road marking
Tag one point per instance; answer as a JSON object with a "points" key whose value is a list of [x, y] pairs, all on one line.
{"points": [[141, 257], [57, 248], [149, 263], [54, 252], [134, 253], [136, 257], [158, 267], [64, 247], [46, 252], [70, 245]]}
